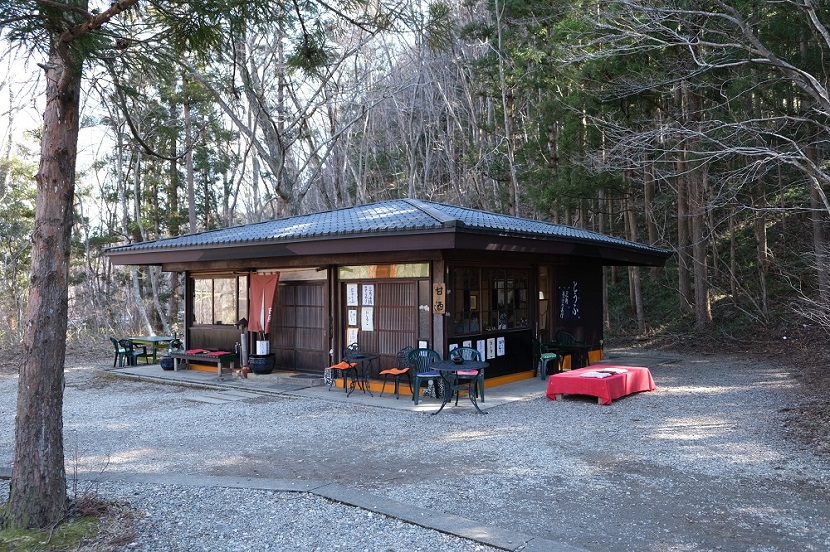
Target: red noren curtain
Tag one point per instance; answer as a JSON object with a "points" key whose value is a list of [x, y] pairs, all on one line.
{"points": [[263, 291]]}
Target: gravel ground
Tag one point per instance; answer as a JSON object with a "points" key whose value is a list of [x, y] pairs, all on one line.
{"points": [[705, 462]]}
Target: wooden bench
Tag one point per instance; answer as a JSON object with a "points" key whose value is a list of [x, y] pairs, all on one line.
{"points": [[220, 358]]}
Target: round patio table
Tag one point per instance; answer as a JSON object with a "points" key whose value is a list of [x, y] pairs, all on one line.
{"points": [[449, 373], [364, 361]]}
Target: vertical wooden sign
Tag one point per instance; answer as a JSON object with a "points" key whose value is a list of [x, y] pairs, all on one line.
{"points": [[439, 303]]}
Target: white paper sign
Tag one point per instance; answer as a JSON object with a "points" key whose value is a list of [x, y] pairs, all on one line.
{"points": [[481, 349], [368, 294], [352, 317], [351, 336], [351, 295], [500, 346], [491, 347], [367, 319]]}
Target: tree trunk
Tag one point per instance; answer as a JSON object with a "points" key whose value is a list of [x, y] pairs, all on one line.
{"points": [[684, 279], [601, 221], [7, 146], [649, 193], [762, 246], [819, 246], [188, 160], [173, 211], [37, 497], [817, 221], [138, 293], [697, 183], [634, 280], [703, 307], [733, 256], [507, 106]]}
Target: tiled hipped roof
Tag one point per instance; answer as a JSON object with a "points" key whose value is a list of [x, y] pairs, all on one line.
{"points": [[389, 217]]}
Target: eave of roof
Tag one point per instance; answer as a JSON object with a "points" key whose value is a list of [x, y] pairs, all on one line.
{"points": [[398, 219]]}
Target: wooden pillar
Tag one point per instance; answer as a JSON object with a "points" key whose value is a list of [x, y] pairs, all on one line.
{"points": [[438, 334]]}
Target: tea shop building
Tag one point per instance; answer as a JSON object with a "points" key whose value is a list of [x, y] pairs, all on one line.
{"points": [[395, 274]]}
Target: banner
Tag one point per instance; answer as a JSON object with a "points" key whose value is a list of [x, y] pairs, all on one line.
{"points": [[263, 292]]}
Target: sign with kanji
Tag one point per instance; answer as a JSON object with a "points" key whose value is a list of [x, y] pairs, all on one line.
{"points": [[439, 299], [367, 319], [368, 294], [351, 295], [569, 301]]}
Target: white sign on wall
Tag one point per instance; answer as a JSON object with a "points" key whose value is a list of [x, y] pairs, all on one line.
{"points": [[367, 319], [368, 294], [351, 295]]}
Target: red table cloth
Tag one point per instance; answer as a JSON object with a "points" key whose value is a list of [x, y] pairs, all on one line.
{"points": [[596, 381]]}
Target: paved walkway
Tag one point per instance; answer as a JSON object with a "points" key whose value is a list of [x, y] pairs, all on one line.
{"points": [[306, 385], [490, 535]]}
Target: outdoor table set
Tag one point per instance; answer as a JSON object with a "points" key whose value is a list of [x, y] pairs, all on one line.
{"points": [[363, 367], [460, 372], [356, 365], [155, 341]]}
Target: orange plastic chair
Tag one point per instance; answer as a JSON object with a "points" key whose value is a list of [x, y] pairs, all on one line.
{"points": [[397, 373]]}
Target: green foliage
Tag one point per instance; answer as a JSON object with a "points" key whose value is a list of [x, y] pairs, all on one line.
{"points": [[311, 53], [441, 27]]}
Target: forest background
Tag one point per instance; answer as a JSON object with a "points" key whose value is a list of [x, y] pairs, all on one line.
{"points": [[701, 127], [697, 126]]}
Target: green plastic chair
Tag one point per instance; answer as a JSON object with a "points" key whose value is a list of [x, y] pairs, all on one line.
{"points": [[133, 351], [468, 353], [420, 361], [541, 357], [566, 344], [120, 353]]}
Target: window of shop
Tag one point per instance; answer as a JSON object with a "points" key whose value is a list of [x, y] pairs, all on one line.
{"points": [[489, 299], [220, 300], [376, 272]]}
